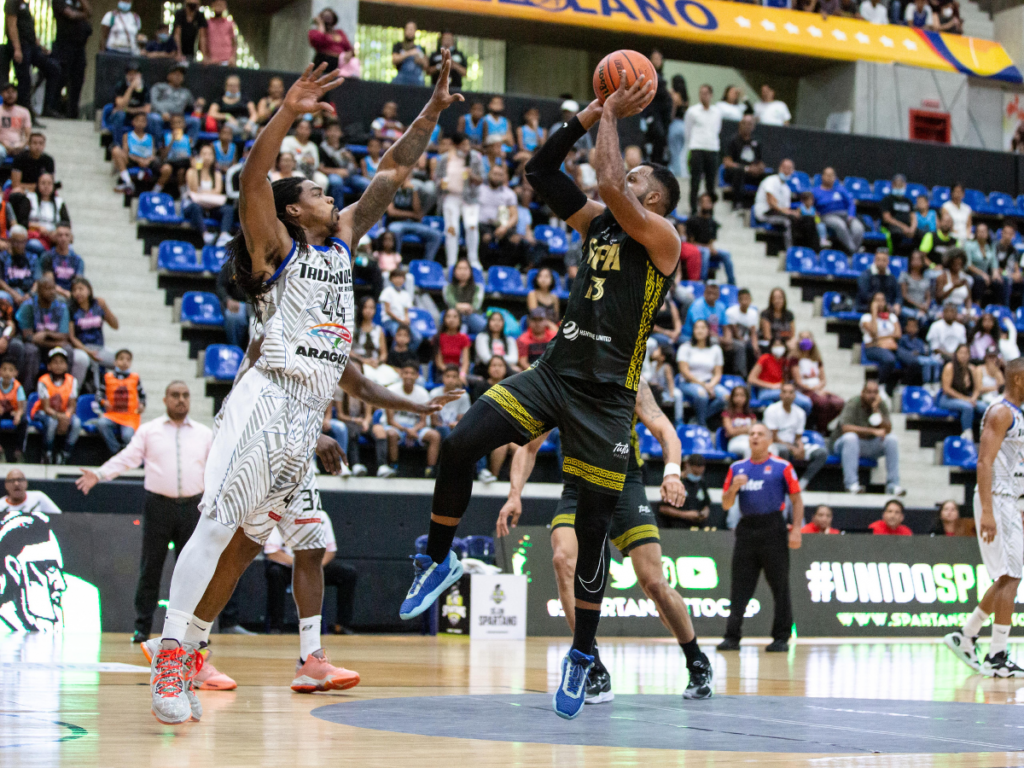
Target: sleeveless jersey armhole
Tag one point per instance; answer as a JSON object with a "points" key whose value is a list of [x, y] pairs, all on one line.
{"points": [[280, 269]]}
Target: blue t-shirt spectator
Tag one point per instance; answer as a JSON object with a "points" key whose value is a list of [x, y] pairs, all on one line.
{"points": [[913, 344], [835, 200], [926, 222], [64, 268], [714, 315], [89, 325], [31, 316], [19, 271], [769, 483]]}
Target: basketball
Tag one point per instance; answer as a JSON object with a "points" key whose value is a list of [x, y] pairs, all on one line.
{"points": [[628, 64]]}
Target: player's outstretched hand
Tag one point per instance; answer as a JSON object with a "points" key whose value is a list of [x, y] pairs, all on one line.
{"points": [[988, 527], [626, 102], [442, 99], [306, 93], [508, 517], [591, 114], [89, 479], [330, 454], [673, 491], [439, 402]]}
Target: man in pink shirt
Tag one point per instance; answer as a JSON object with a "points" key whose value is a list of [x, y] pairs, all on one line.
{"points": [[15, 122], [220, 36]]}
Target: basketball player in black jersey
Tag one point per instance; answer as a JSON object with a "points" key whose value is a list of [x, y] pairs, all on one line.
{"points": [[586, 382]]}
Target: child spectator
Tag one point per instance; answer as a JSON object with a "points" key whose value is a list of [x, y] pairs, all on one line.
{"points": [[492, 342], [931, 365], [407, 428], [12, 406], [205, 196], [534, 341], [807, 211], [444, 421], [19, 266], [402, 353], [926, 221], [221, 45], [61, 261], [358, 419], [176, 154], [542, 295], [386, 253], [123, 401], [369, 163], [396, 302], [15, 122], [369, 347], [737, 419], [464, 295], [225, 150], [46, 214], [387, 127], [58, 399], [88, 314], [136, 152], [697, 507], [452, 344], [162, 45], [891, 523]]}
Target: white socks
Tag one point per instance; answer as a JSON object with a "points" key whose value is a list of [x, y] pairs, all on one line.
{"points": [[192, 573], [972, 627], [176, 625], [309, 636], [198, 631], [1000, 636]]}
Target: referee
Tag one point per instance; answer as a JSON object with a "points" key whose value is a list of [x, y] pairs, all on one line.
{"points": [[762, 483], [174, 449]]}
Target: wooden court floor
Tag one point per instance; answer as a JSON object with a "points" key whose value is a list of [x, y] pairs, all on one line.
{"points": [[84, 701]]}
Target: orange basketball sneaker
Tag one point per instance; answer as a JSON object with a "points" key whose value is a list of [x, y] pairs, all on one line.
{"points": [[317, 674]]}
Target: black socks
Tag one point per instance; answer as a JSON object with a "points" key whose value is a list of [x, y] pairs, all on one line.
{"points": [[586, 630], [440, 541], [692, 651]]}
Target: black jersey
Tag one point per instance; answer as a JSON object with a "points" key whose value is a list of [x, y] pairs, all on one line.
{"points": [[614, 299]]}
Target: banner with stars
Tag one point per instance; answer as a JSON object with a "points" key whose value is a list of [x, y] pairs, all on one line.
{"points": [[754, 26]]}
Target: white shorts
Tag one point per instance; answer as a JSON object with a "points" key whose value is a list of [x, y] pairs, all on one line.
{"points": [[262, 452], [1004, 556], [300, 523]]}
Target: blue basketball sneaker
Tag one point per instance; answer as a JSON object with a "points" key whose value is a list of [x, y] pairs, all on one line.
{"points": [[569, 698], [430, 581]]}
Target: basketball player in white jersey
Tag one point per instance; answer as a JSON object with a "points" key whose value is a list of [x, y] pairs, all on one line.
{"points": [[293, 252], [997, 515]]}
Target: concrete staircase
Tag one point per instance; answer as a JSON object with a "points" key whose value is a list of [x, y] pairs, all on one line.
{"points": [[117, 269], [977, 21], [924, 480]]}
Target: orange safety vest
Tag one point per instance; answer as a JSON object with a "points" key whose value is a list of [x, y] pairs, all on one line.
{"points": [[123, 398], [60, 396], [9, 400]]}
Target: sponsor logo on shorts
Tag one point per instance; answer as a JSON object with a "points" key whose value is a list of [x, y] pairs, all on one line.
{"points": [[307, 520], [645, 510], [274, 516], [571, 331], [621, 449], [321, 354]]}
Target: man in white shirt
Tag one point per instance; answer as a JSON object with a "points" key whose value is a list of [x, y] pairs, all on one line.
{"points": [[786, 420], [499, 214], [874, 12], [280, 558], [773, 199], [703, 124], [743, 319], [408, 428], [947, 333], [768, 111], [395, 302], [20, 499]]}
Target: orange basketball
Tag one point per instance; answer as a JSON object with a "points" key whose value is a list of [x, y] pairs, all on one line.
{"points": [[619, 64]]}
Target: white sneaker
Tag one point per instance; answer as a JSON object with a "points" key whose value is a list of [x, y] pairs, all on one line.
{"points": [[386, 470], [345, 471], [223, 240], [855, 488], [896, 490], [167, 672], [967, 435], [963, 648], [486, 476], [358, 470], [209, 237]]}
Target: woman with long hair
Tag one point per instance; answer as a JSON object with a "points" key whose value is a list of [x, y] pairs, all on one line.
{"points": [[737, 419], [777, 322], [881, 331], [984, 335], [47, 212], [204, 194], [497, 370], [990, 378], [916, 288], [369, 345], [452, 344], [542, 294], [700, 365], [85, 331], [466, 296], [960, 391], [953, 285], [809, 377], [949, 523], [494, 342], [285, 167]]}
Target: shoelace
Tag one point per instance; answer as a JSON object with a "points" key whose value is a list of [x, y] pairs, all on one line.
{"points": [[169, 681], [196, 661], [577, 675]]}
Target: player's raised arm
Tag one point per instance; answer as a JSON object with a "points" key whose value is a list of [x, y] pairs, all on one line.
{"points": [[398, 162], [997, 422], [543, 171], [647, 410], [265, 238], [639, 201]]}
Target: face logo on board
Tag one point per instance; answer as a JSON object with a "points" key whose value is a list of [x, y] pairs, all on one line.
{"points": [[32, 582]]}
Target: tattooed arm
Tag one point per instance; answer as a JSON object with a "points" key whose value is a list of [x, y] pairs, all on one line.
{"points": [[659, 425], [397, 163]]}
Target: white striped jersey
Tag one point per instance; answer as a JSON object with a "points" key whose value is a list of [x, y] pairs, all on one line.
{"points": [[308, 316], [1008, 467]]}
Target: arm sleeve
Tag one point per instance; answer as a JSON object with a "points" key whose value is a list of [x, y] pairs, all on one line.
{"points": [[560, 192]]}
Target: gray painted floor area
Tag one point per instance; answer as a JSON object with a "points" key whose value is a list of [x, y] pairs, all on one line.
{"points": [[724, 723]]}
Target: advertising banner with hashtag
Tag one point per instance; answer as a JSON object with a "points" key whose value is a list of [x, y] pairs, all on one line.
{"points": [[853, 585], [754, 26]]}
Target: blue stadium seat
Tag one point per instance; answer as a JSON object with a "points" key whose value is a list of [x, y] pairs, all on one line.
{"points": [[421, 321], [835, 263], [915, 190], [214, 257], [957, 452], [695, 285], [1018, 319], [177, 256], [158, 208], [553, 238], [803, 261], [221, 361], [728, 295], [1002, 204], [562, 289], [730, 381], [858, 187], [862, 261], [873, 235], [975, 198], [1020, 204], [897, 265], [105, 124], [85, 412], [938, 196], [649, 445], [480, 548], [919, 401], [721, 443], [1000, 312], [828, 303], [881, 188], [478, 276], [36, 422], [550, 444], [697, 439], [428, 275], [815, 438], [506, 281], [201, 308], [436, 223], [799, 182]]}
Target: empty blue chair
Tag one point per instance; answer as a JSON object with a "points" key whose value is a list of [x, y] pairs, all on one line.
{"points": [[697, 439], [919, 401], [108, 110], [897, 265], [1018, 319], [201, 308], [915, 190], [478, 276], [158, 208], [957, 452], [938, 196], [728, 295], [428, 275], [804, 261], [976, 199], [1000, 313], [436, 223], [696, 286], [221, 361], [649, 445], [480, 548], [29, 404], [881, 188], [214, 257], [176, 256], [799, 182], [553, 238], [835, 263], [85, 411], [729, 381], [1020, 205], [858, 187], [1002, 204], [862, 261], [830, 303], [506, 281], [421, 321]]}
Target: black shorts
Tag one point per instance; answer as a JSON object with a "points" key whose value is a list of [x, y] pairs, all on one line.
{"points": [[633, 522], [182, 164], [595, 422]]}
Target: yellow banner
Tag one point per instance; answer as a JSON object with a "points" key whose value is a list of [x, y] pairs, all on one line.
{"points": [[754, 26]]}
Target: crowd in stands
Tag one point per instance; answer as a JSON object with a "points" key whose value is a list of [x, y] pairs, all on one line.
{"points": [[932, 15]]}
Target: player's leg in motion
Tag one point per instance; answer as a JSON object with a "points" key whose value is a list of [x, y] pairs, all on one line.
{"points": [[479, 432]]}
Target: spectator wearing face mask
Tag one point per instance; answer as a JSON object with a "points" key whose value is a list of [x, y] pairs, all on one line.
{"points": [[121, 30], [773, 199], [162, 44], [770, 372]]}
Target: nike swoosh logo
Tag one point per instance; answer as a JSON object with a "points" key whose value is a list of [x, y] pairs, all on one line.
{"points": [[585, 583]]}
